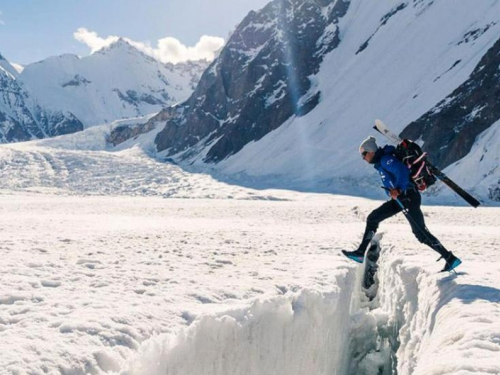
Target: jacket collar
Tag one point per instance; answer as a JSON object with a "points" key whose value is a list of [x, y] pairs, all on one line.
{"points": [[378, 155]]}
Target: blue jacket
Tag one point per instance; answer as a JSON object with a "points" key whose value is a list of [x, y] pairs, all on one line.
{"points": [[394, 174]]}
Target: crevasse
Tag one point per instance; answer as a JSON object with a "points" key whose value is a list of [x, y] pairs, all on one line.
{"points": [[415, 314]]}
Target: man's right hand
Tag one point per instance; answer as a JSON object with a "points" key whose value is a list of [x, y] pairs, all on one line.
{"points": [[394, 193]]}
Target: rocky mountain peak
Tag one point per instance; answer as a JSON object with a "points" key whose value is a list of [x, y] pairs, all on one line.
{"points": [[260, 79], [119, 43], [21, 118], [6, 66], [66, 93]]}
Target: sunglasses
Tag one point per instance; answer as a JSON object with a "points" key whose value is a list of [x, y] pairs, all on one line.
{"points": [[364, 153]]}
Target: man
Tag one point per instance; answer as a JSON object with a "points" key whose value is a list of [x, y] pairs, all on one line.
{"points": [[396, 179]]}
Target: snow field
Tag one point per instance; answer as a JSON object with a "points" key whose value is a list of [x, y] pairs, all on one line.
{"points": [[85, 164], [145, 285], [86, 280], [102, 274], [421, 321]]}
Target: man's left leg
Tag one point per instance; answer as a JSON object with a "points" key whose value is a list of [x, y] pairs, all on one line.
{"points": [[412, 201]]}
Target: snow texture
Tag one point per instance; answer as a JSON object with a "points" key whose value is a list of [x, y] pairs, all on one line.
{"points": [[101, 274]]}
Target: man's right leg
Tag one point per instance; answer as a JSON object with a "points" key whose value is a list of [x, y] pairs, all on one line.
{"points": [[385, 211]]}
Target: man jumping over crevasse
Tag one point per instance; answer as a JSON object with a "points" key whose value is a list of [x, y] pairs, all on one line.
{"points": [[404, 196]]}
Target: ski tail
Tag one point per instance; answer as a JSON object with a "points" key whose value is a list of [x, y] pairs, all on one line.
{"points": [[384, 130], [453, 186]]}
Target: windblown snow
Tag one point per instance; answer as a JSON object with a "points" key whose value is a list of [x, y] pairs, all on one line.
{"points": [[116, 263]]}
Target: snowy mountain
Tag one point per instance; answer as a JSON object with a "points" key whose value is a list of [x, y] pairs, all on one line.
{"points": [[21, 118], [116, 82], [450, 128], [299, 83]]}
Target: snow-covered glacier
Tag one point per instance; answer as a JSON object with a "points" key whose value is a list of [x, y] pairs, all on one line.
{"points": [[117, 263]]}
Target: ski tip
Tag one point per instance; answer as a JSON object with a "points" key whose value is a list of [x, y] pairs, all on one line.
{"points": [[378, 122]]}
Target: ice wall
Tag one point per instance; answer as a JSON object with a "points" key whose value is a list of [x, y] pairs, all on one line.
{"points": [[298, 333], [445, 323], [420, 322]]}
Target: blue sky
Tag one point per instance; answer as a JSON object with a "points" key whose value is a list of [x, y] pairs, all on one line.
{"points": [[32, 30]]}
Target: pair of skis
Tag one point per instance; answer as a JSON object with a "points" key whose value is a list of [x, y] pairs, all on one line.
{"points": [[384, 130]]}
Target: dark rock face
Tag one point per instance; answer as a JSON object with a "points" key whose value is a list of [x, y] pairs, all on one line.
{"points": [[132, 97], [123, 133], [77, 81], [383, 21], [451, 127], [494, 193], [259, 80], [59, 123], [16, 120]]}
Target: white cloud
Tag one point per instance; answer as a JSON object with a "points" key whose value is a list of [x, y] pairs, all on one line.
{"points": [[91, 39], [1, 21], [167, 49]]}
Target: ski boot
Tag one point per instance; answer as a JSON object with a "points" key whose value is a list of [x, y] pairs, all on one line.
{"points": [[358, 255], [452, 262]]}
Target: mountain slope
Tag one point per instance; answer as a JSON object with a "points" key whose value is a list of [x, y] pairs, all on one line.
{"points": [[450, 128], [260, 79], [389, 60]]}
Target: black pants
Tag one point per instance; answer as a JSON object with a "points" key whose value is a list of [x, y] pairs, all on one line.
{"points": [[411, 200]]}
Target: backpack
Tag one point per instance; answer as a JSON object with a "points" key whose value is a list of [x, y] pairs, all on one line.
{"points": [[410, 154]]}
